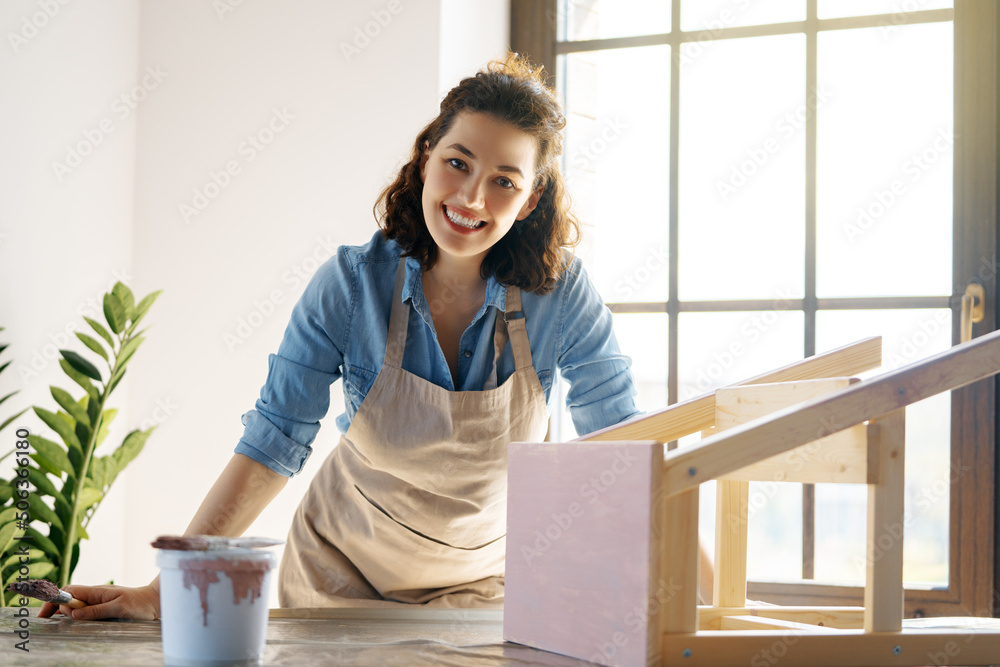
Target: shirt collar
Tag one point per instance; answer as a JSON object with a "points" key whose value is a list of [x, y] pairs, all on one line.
{"points": [[413, 288]]}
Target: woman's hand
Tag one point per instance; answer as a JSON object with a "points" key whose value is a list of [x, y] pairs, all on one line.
{"points": [[142, 603]]}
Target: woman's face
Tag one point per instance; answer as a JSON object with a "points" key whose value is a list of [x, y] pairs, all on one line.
{"points": [[477, 183]]}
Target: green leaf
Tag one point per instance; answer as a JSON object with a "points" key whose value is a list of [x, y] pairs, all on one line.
{"points": [[41, 512], [81, 533], [76, 459], [92, 407], [141, 308], [80, 379], [81, 364], [101, 331], [114, 312], [69, 404], [6, 491], [62, 424], [128, 349], [7, 531], [93, 345], [11, 393], [8, 515], [11, 419], [35, 571], [89, 496], [44, 485], [47, 544], [130, 447], [118, 378], [108, 417], [52, 454], [98, 472], [124, 295]]}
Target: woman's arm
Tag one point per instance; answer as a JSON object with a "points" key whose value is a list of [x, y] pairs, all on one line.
{"points": [[241, 493]]}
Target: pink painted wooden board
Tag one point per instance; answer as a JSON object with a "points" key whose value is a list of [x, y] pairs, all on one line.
{"points": [[581, 551]]}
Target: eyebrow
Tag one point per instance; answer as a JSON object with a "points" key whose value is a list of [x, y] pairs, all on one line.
{"points": [[505, 168]]}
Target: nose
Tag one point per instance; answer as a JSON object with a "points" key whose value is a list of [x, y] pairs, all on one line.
{"points": [[473, 192]]}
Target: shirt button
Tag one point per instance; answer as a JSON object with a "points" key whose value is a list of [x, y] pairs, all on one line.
{"points": [[468, 354]]}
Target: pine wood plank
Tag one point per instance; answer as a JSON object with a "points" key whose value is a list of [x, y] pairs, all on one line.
{"points": [[795, 426], [698, 413], [884, 568], [834, 648], [845, 618], [838, 458]]}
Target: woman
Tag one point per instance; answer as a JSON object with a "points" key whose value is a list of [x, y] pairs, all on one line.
{"points": [[446, 328]]}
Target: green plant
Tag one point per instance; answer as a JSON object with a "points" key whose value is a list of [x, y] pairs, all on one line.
{"points": [[68, 474]]}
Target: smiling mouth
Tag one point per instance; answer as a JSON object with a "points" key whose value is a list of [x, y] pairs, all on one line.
{"points": [[462, 221]]}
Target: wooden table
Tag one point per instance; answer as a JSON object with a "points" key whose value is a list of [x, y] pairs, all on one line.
{"points": [[463, 638]]}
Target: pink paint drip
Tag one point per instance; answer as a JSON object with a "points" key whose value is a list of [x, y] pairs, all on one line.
{"points": [[247, 577]]}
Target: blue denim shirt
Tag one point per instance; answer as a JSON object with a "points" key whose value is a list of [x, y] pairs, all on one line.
{"points": [[338, 329]]}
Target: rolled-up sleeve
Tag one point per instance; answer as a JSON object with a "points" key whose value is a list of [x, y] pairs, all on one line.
{"points": [[280, 429], [602, 388]]}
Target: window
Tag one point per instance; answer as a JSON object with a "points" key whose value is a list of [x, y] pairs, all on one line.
{"points": [[762, 181]]}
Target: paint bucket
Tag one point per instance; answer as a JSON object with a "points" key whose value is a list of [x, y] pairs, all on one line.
{"points": [[213, 605]]}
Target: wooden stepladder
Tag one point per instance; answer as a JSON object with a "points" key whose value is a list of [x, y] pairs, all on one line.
{"points": [[602, 532]]}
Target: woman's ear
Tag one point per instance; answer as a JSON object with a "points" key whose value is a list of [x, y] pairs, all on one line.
{"points": [[530, 205], [424, 155]]}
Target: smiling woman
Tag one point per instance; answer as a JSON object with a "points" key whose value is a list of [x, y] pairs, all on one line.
{"points": [[447, 328]]}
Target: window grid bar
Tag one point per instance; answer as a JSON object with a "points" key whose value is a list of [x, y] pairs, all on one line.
{"points": [[673, 231], [810, 305], [747, 305], [676, 36]]}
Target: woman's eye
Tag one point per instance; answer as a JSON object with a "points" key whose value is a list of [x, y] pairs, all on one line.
{"points": [[505, 183], [456, 163]]}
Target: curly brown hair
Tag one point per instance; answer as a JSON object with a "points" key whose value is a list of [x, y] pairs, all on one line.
{"points": [[532, 254]]}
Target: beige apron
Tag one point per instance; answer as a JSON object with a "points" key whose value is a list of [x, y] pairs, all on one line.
{"points": [[411, 505]]}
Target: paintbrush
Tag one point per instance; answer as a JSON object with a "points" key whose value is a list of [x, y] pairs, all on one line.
{"points": [[211, 542], [46, 591]]}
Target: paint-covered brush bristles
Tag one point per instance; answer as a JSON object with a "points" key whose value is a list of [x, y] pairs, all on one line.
{"points": [[46, 591]]}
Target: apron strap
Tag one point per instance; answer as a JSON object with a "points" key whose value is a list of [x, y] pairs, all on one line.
{"points": [[399, 317], [510, 325], [514, 323]]}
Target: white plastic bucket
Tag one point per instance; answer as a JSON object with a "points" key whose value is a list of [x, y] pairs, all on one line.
{"points": [[213, 605]]}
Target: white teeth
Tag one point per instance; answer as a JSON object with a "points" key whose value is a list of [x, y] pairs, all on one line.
{"points": [[459, 220]]}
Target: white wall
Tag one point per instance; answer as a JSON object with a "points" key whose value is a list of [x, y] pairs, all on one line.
{"points": [[65, 236], [348, 111]]}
